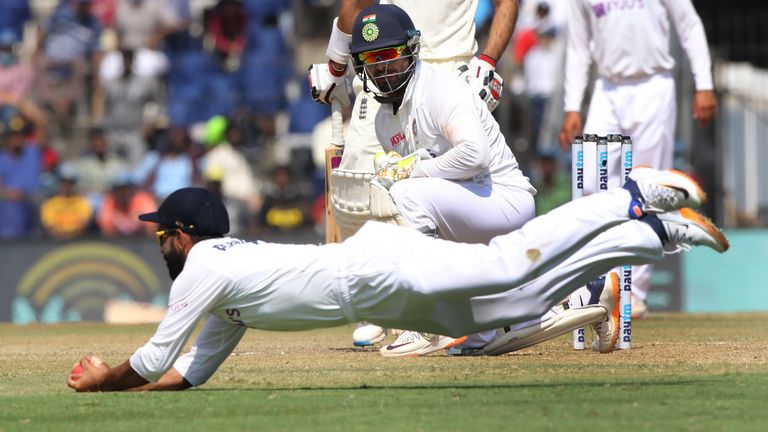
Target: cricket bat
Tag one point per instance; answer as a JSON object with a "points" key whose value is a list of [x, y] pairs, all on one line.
{"points": [[332, 160]]}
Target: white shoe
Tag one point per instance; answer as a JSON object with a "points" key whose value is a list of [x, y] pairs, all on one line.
{"points": [[412, 344], [659, 191], [560, 321], [368, 334], [607, 329], [639, 308], [686, 228]]}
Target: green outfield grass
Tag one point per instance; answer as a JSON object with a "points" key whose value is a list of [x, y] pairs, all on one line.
{"points": [[685, 373]]}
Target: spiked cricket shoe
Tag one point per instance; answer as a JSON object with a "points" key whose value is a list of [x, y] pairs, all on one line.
{"points": [[657, 191], [368, 334], [413, 344], [687, 228], [559, 322], [607, 329]]}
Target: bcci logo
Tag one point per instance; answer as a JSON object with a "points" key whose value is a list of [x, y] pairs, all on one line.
{"points": [[370, 32]]}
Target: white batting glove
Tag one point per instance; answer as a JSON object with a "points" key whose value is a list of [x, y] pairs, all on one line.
{"points": [[391, 167], [481, 76], [327, 84]]}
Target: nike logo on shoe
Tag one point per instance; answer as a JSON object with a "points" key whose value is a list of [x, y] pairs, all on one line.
{"points": [[393, 347]]}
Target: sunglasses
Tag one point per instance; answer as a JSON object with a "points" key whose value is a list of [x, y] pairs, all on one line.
{"points": [[384, 54], [163, 233]]}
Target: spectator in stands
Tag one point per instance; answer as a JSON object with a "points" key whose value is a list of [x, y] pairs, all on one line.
{"points": [[16, 76], [226, 27], [67, 214], [285, 208], [238, 182], [96, 168], [121, 207], [126, 100], [174, 165], [147, 63], [69, 51], [144, 23], [542, 66], [15, 14], [20, 163]]}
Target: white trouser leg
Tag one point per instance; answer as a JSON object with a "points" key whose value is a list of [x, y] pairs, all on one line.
{"points": [[462, 211], [437, 286]]}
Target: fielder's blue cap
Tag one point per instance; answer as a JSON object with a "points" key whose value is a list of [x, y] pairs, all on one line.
{"points": [[194, 211], [380, 26]]}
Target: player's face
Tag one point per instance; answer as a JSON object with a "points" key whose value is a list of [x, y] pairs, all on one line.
{"points": [[388, 68], [172, 254]]}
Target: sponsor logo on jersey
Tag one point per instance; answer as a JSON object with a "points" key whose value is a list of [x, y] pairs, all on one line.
{"points": [[397, 139], [602, 8], [363, 113], [228, 244], [176, 307]]}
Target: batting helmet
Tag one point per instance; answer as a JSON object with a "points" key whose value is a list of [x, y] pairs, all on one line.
{"points": [[381, 36]]}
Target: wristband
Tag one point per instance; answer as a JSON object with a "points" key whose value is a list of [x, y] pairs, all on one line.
{"points": [[488, 59], [338, 45]]}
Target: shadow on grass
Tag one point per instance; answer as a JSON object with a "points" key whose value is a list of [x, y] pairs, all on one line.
{"points": [[597, 384]]}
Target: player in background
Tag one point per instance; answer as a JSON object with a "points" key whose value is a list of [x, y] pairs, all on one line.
{"points": [[430, 285], [635, 91], [447, 42]]}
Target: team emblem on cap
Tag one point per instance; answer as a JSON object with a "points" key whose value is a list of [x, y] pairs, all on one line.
{"points": [[370, 32]]}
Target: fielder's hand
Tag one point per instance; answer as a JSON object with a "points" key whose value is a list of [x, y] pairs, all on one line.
{"points": [[481, 76], [94, 373], [326, 83], [391, 167]]}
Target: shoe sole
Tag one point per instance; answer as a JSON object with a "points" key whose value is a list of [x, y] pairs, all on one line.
{"points": [[370, 342], [706, 224], [614, 312], [426, 350], [561, 324]]}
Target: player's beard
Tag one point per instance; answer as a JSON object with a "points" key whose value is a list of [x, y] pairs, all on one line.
{"points": [[174, 260]]}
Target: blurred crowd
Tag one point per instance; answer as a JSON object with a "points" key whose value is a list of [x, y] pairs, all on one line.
{"points": [[107, 106]]}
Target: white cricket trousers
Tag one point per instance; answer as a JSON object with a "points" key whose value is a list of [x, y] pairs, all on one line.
{"points": [[397, 278], [646, 110]]}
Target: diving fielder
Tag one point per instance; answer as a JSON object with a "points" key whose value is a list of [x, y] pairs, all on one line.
{"points": [[428, 285]]}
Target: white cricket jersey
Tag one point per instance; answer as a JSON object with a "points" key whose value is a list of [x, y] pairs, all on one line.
{"points": [[447, 27], [440, 114], [239, 285], [629, 40]]}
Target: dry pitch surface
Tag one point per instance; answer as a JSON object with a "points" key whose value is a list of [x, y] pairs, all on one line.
{"points": [[685, 372]]}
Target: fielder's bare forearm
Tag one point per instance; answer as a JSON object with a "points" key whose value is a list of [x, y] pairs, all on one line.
{"points": [[172, 380], [502, 27], [119, 378]]}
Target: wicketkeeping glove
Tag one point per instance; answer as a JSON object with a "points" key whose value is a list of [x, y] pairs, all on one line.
{"points": [[481, 76], [326, 84], [391, 167]]}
